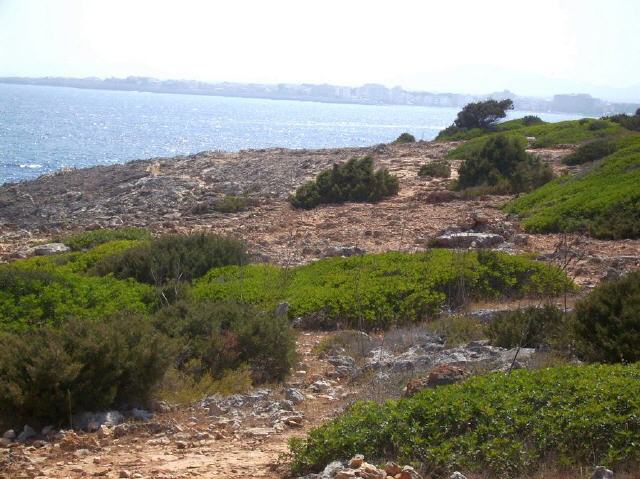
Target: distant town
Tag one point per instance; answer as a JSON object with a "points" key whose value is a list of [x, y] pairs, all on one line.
{"points": [[369, 94]]}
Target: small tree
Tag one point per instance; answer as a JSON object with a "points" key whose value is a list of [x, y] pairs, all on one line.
{"points": [[483, 114], [405, 138]]}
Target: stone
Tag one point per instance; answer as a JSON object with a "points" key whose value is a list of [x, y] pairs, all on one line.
{"points": [[457, 475], [104, 432], [181, 444], [294, 395], [345, 474], [50, 248], [468, 240], [4, 442], [10, 434], [369, 471], [46, 431], [26, 434], [391, 468], [141, 414], [89, 421], [356, 461], [440, 375], [409, 472], [124, 474], [344, 251], [602, 472]]}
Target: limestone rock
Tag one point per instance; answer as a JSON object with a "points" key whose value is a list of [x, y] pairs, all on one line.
{"points": [[294, 395], [50, 248], [602, 472], [356, 461], [468, 240]]}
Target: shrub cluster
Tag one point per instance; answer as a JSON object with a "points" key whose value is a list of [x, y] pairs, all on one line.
{"points": [[503, 166], [72, 340], [226, 204], [173, 258], [592, 151], [436, 169], [496, 425], [608, 321], [603, 202], [630, 122], [405, 138], [378, 291], [354, 180]]}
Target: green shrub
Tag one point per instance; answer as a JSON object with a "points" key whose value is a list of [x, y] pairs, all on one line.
{"points": [[31, 298], [630, 122], [377, 291], [226, 204], [603, 202], [91, 239], [495, 425], [530, 327], [596, 125], [214, 338], [96, 365], [503, 166], [405, 138], [457, 330], [173, 258], [354, 181], [436, 169], [608, 321], [178, 387], [592, 151], [530, 120]]}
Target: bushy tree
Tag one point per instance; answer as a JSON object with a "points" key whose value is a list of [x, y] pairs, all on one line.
{"points": [[354, 181], [436, 169], [608, 321], [530, 120], [503, 166], [483, 114], [594, 150]]}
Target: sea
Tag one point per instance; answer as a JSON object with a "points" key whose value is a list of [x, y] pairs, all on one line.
{"points": [[44, 129]]}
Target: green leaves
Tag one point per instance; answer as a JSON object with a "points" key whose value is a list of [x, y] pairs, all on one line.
{"points": [[500, 425]]}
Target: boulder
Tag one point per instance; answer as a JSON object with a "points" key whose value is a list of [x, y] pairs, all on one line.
{"points": [[50, 248], [4, 442], [356, 461], [409, 472], [602, 472], [294, 395], [26, 434], [392, 469], [89, 421], [9, 434], [468, 240], [457, 475], [333, 251], [441, 375]]}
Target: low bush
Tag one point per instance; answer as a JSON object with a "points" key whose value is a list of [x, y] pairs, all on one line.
{"points": [[405, 138], [378, 291], [83, 365], [531, 327], [592, 151], [457, 329], [91, 239], [436, 169], [354, 181], [603, 202], [32, 298], [530, 120], [608, 321], [215, 338], [173, 258], [495, 425], [226, 204], [503, 166]]}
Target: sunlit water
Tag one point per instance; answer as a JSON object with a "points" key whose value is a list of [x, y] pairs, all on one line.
{"points": [[43, 129]]}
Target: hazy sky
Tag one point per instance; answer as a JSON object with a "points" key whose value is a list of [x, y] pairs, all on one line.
{"points": [[538, 47]]}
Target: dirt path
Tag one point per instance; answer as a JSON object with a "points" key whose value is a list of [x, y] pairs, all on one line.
{"points": [[185, 443]]}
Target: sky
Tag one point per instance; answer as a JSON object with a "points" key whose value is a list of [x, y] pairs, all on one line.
{"points": [[473, 46]]}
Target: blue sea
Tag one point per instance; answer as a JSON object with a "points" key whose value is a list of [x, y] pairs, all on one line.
{"points": [[43, 129]]}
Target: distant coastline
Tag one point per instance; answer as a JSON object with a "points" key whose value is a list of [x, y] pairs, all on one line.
{"points": [[369, 94]]}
